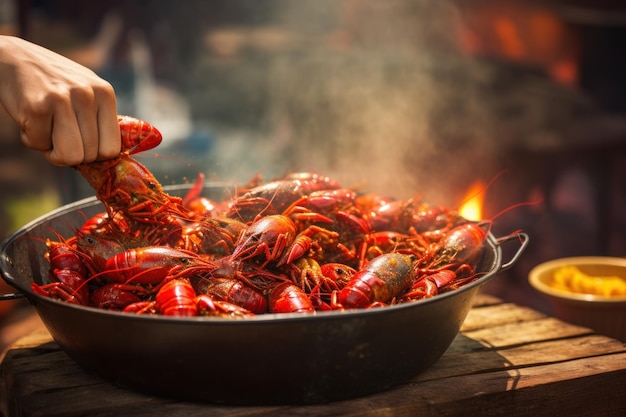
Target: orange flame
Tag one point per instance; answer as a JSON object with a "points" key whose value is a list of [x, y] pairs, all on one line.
{"points": [[472, 204], [523, 33]]}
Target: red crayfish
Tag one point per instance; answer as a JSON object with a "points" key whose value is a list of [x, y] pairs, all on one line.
{"points": [[299, 244], [178, 298], [67, 274], [385, 278]]}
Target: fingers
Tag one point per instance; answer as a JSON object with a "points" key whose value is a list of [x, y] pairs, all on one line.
{"points": [[109, 140], [74, 129], [68, 142], [97, 119], [55, 133], [87, 122], [80, 128]]}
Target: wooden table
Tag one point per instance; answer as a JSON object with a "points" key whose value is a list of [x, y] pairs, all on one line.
{"points": [[507, 360]]}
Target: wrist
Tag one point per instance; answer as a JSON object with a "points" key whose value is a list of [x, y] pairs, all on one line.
{"points": [[7, 57]]}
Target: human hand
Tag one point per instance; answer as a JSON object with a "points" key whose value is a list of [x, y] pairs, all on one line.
{"points": [[63, 109]]}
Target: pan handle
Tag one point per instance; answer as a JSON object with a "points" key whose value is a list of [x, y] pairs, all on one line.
{"points": [[11, 296], [519, 237]]}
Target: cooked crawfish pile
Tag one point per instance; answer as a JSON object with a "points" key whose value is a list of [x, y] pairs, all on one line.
{"points": [[297, 244]]}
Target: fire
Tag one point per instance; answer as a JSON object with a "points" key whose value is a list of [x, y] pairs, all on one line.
{"points": [[471, 207], [524, 33]]}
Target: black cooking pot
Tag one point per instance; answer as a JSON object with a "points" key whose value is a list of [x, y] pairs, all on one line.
{"points": [[267, 359]]}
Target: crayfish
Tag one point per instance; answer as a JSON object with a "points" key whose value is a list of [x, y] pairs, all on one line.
{"points": [[297, 244]]}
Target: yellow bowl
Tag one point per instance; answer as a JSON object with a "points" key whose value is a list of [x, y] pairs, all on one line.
{"points": [[604, 314]]}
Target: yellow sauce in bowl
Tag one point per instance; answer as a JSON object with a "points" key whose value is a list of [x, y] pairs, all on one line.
{"points": [[572, 279]]}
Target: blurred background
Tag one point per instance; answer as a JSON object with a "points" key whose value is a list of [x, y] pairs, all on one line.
{"points": [[403, 97]]}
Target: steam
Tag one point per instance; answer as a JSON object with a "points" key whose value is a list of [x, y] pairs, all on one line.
{"points": [[383, 113], [376, 95]]}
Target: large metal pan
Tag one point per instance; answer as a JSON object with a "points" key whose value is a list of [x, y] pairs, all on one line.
{"points": [[268, 359]]}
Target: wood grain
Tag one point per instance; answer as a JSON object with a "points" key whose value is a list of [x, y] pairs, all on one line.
{"points": [[507, 360]]}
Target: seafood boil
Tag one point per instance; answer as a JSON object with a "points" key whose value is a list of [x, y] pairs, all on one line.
{"points": [[298, 244]]}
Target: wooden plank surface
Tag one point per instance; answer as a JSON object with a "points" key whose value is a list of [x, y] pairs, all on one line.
{"points": [[507, 360]]}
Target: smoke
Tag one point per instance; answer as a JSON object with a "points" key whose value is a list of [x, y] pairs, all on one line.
{"points": [[377, 95], [384, 105]]}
